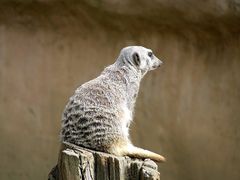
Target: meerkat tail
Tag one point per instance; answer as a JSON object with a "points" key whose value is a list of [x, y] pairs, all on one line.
{"points": [[136, 152]]}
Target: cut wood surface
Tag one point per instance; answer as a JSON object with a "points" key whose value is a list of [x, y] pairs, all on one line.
{"points": [[77, 163]]}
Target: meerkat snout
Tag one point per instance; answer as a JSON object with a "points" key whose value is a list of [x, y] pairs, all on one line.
{"points": [[157, 63], [160, 63]]}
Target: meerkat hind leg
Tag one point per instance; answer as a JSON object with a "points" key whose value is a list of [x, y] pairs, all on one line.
{"points": [[136, 152]]}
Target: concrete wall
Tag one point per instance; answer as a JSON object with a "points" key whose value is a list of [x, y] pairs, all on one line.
{"points": [[188, 110]]}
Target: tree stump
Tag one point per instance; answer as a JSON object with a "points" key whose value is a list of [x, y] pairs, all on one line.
{"points": [[77, 163]]}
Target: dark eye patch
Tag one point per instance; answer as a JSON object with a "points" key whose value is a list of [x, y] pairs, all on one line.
{"points": [[150, 54]]}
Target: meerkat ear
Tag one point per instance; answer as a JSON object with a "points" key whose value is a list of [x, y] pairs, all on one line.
{"points": [[136, 59]]}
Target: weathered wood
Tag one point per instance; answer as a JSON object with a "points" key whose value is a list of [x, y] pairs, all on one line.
{"points": [[77, 163]]}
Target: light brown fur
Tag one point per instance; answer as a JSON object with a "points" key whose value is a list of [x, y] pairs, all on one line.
{"points": [[124, 148]]}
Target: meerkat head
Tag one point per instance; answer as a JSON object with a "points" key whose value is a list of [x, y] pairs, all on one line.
{"points": [[139, 58]]}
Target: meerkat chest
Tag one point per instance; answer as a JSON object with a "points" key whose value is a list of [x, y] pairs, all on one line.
{"points": [[126, 119]]}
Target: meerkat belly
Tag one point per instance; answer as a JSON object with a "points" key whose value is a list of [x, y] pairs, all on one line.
{"points": [[126, 119]]}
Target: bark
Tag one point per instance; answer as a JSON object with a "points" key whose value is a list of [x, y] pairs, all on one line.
{"points": [[77, 163]]}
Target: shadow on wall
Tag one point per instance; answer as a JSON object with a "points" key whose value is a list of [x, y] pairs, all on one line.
{"points": [[188, 110]]}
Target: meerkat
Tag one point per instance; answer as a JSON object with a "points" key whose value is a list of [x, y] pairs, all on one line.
{"points": [[100, 112]]}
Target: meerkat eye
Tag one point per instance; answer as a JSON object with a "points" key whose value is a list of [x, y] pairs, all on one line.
{"points": [[150, 54]]}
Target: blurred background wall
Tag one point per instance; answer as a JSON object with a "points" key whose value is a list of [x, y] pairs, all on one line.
{"points": [[188, 110]]}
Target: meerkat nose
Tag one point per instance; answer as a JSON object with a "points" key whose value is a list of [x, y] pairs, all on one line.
{"points": [[160, 64]]}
